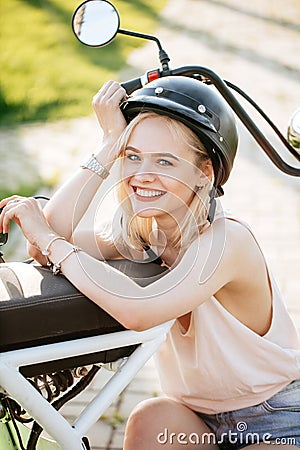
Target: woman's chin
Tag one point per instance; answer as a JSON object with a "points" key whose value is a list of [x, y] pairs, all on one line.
{"points": [[146, 214]]}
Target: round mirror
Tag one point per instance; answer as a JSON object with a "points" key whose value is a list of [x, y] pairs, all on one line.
{"points": [[95, 22], [293, 134]]}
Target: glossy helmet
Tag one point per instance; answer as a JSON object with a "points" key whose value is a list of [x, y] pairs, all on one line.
{"points": [[200, 108]]}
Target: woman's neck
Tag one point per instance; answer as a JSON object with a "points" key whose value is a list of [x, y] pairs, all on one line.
{"points": [[161, 241], [167, 228]]}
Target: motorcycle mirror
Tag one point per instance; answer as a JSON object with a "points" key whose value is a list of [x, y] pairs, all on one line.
{"points": [[293, 134], [95, 22]]}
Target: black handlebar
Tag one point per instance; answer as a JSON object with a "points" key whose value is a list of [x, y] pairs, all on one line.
{"points": [[210, 77], [242, 114], [3, 240], [132, 85]]}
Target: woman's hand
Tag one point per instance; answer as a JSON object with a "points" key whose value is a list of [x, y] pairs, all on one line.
{"points": [[28, 215], [106, 104]]}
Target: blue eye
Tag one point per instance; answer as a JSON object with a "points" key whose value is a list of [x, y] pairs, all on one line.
{"points": [[164, 162], [133, 157]]}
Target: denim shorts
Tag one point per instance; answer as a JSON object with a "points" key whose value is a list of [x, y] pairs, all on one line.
{"points": [[275, 421]]}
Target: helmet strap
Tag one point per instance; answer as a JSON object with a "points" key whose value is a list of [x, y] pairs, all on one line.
{"points": [[198, 188], [212, 205]]}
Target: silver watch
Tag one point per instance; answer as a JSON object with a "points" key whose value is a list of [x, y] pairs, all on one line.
{"points": [[94, 165]]}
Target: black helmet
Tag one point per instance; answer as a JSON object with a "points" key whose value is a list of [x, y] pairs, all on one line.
{"points": [[200, 108]]}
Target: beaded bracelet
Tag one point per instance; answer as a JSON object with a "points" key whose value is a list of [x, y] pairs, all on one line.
{"points": [[46, 252], [56, 268]]}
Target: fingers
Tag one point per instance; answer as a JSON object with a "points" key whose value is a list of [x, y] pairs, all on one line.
{"points": [[106, 104], [8, 205], [109, 88], [4, 201], [13, 208], [111, 94], [7, 214]]}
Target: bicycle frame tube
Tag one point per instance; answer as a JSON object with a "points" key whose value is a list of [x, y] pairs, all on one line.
{"points": [[70, 435]]}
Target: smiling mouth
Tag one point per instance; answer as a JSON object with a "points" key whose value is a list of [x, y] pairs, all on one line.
{"points": [[148, 193]]}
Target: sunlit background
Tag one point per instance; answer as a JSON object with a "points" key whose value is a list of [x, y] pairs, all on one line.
{"points": [[47, 127], [48, 80]]}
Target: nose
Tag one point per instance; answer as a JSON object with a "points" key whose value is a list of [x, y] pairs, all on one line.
{"points": [[145, 177], [146, 172]]}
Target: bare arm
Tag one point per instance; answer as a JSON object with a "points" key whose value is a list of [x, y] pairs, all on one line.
{"points": [[75, 196], [189, 284], [70, 202], [219, 260], [172, 296]]}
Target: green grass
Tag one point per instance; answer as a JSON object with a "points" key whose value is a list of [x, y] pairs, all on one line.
{"points": [[46, 74]]}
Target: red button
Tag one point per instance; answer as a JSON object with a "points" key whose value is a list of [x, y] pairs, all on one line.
{"points": [[153, 75]]}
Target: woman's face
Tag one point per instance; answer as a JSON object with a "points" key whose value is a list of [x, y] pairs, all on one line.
{"points": [[159, 172]]}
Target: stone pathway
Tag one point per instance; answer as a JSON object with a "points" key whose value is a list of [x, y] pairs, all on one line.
{"points": [[253, 45]]}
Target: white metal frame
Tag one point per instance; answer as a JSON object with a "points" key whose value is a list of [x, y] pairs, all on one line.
{"points": [[69, 436]]}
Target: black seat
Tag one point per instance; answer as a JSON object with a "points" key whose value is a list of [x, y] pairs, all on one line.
{"points": [[38, 308]]}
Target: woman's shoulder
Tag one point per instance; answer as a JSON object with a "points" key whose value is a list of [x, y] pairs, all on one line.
{"points": [[234, 230], [228, 228], [241, 235], [229, 242], [241, 250]]}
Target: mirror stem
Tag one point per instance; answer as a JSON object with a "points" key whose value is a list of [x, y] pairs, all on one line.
{"points": [[163, 57]]}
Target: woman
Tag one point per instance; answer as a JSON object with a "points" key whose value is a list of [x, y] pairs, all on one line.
{"points": [[230, 367]]}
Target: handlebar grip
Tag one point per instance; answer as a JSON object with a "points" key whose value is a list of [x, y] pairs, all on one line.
{"points": [[132, 85], [3, 239]]}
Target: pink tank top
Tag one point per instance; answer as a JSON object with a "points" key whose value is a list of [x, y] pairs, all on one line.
{"points": [[221, 365]]}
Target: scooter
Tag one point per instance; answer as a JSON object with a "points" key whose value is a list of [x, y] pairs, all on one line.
{"points": [[54, 341]]}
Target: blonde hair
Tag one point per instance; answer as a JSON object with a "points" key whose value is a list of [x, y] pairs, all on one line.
{"points": [[134, 230]]}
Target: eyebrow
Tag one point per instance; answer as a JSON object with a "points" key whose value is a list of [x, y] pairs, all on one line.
{"points": [[165, 155]]}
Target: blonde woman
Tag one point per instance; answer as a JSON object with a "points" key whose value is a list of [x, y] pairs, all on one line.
{"points": [[230, 368]]}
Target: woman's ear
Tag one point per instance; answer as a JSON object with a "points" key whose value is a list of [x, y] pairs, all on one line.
{"points": [[207, 169], [206, 172]]}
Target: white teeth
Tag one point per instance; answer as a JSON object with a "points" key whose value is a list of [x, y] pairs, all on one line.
{"points": [[144, 193]]}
